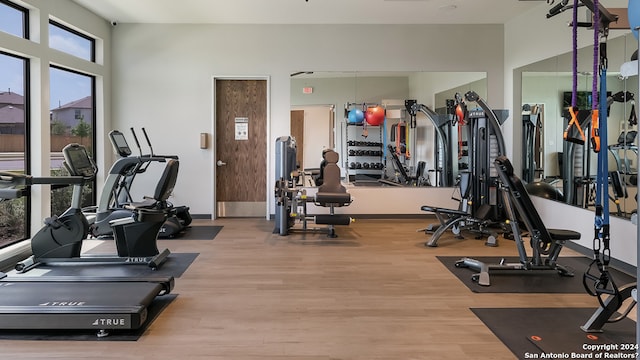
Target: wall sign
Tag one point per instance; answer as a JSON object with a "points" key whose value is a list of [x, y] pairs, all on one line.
{"points": [[242, 128]]}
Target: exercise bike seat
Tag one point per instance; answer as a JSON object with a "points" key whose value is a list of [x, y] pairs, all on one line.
{"points": [[163, 189], [136, 236]]}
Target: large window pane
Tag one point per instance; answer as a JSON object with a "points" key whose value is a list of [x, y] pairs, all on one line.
{"points": [[72, 121], [13, 127], [14, 19], [72, 42]]}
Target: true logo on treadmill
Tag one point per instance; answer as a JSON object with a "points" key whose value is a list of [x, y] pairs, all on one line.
{"points": [[109, 322], [63, 303], [137, 259]]}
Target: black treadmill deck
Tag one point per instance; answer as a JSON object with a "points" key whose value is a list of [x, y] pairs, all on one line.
{"points": [[99, 305]]}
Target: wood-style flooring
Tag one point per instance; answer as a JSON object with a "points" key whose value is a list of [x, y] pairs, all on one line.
{"points": [[373, 293]]}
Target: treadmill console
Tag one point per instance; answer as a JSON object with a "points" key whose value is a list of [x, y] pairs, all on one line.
{"points": [[119, 143], [78, 161]]}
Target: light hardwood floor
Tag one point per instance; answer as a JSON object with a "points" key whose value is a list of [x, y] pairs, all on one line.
{"points": [[374, 293]]}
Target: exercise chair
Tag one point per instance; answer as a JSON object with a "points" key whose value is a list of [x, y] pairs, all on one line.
{"points": [[546, 243], [291, 200]]}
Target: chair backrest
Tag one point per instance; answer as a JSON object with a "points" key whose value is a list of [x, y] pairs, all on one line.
{"points": [[320, 179], [519, 197], [420, 169], [167, 181], [331, 182]]}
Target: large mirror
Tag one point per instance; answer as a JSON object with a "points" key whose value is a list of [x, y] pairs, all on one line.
{"points": [[325, 110], [569, 167]]}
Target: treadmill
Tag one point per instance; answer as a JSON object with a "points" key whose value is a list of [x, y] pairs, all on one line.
{"points": [[78, 303], [102, 304]]}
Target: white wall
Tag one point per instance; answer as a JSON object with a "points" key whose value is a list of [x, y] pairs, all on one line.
{"points": [[163, 73]]}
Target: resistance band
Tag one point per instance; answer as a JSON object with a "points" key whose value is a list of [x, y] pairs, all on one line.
{"points": [[461, 112], [573, 109], [602, 283]]}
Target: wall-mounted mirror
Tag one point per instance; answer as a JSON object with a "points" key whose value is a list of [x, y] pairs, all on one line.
{"points": [[570, 168], [324, 114]]}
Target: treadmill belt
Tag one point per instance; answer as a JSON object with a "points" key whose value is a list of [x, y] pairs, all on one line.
{"points": [[154, 310], [176, 265], [76, 305]]}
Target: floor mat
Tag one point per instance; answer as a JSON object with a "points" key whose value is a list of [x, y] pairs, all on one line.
{"points": [[530, 332], [529, 281], [199, 232], [176, 265], [157, 306]]}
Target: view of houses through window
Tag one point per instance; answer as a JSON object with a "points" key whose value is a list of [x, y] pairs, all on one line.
{"points": [[71, 116], [13, 130], [72, 121]]}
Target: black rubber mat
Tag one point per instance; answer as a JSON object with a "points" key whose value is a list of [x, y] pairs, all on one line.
{"points": [[199, 232], [531, 332], [529, 281], [176, 265], [157, 306]]}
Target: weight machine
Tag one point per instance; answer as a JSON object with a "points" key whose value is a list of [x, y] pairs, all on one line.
{"points": [[291, 200]]}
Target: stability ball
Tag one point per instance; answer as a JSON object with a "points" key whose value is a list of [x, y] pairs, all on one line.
{"points": [[544, 190], [374, 115], [633, 10], [356, 116]]}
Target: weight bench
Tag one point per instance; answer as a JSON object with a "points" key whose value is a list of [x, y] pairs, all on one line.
{"points": [[546, 243], [460, 219]]}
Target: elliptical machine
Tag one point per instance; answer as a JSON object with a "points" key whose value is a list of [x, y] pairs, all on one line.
{"points": [[116, 191], [60, 240]]}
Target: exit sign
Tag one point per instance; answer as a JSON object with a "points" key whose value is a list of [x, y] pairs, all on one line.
{"points": [[307, 90]]}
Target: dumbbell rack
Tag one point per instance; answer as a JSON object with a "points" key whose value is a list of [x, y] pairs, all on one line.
{"points": [[364, 155]]}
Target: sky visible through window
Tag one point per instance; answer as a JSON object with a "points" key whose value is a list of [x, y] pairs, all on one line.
{"points": [[11, 20], [11, 74], [68, 42]]}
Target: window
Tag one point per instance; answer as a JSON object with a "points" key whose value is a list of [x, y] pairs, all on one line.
{"points": [[14, 19], [72, 121], [71, 42], [13, 142]]}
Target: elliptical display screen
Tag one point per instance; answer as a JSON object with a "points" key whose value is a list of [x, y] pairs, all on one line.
{"points": [[119, 142], [78, 161]]}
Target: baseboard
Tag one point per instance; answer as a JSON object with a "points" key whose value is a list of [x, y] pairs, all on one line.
{"points": [[620, 265], [382, 216]]}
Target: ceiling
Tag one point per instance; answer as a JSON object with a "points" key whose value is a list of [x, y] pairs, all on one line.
{"points": [[310, 11]]}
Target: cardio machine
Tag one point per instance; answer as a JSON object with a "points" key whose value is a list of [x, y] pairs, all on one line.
{"points": [[60, 239], [116, 191], [102, 304]]}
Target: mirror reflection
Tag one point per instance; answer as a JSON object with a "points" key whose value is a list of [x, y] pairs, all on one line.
{"points": [[342, 111], [566, 170]]}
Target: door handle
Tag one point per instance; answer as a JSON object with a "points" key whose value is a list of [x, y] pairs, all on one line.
{"points": [[221, 163]]}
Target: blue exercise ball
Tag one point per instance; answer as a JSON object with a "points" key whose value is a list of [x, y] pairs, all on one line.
{"points": [[356, 116], [634, 16]]}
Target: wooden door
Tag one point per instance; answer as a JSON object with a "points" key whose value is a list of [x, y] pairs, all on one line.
{"points": [[297, 132], [241, 147]]}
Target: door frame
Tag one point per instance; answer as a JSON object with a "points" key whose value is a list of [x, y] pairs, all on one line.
{"points": [[213, 157]]}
